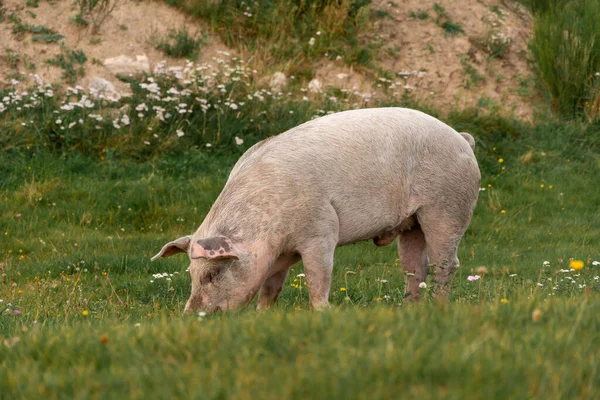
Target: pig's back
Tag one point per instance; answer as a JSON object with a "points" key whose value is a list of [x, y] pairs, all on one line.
{"points": [[358, 145]]}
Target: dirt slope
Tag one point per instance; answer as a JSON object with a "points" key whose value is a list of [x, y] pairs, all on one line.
{"points": [[129, 31], [417, 54], [446, 70]]}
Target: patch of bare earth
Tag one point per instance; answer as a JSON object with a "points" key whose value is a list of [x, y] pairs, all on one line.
{"points": [[128, 31], [420, 58], [450, 71]]}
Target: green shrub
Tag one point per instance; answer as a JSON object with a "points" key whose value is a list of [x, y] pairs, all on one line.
{"points": [[67, 60], [443, 21], [179, 43], [297, 31], [566, 51]]}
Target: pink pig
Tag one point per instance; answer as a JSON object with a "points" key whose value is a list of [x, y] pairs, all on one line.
{"points": [[377, 174]]}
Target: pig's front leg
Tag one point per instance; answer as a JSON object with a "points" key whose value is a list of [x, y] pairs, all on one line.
{"points": [[269, 292], [318, 266]]}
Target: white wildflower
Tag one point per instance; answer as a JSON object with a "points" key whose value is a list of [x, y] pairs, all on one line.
{"points": [[180, 133], [239, 141], [422, 285]]}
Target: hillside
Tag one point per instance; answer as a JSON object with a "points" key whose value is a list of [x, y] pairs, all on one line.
{"points": [[451, 54]]}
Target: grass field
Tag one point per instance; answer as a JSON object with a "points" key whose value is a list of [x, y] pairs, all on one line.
{"points": [[85, 314]]}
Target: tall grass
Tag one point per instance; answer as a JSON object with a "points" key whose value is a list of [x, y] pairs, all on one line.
{"points": [[292, 32], [566, 50]]}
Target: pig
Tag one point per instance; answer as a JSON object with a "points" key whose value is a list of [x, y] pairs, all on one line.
{"points": [[370, 174]]}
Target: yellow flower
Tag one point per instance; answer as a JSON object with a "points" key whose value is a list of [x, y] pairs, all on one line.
{"points": [[576, 264], [542, 185], [378, 299], [550, 187], [501, 160], [502, 211], [20, 291], [504, 301], [85, 313], [502, 168], [489, 185], [342, 289]]}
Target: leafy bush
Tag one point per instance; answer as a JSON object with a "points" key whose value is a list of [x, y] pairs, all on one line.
{"points": [[566, 51], [294, 31], [67, 60], [179, 43]]}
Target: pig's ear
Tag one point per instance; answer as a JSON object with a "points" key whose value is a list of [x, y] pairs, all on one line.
{"points": [[214, 248], [180, 245]]}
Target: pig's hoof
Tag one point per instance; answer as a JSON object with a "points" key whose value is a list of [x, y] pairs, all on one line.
{"points": [[321, 307], [412, 297]]}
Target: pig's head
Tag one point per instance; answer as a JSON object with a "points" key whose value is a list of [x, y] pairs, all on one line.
{"points": [[224, 273]]}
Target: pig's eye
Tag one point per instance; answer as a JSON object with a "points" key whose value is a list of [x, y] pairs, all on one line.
{"points": [[214, 275]]}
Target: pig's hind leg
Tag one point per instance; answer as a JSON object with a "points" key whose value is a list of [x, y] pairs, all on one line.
{"points": [[412, 250], [443, 229]]}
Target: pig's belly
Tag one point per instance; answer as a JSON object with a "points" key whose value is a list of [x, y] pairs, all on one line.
{"points": [[369, 224]]}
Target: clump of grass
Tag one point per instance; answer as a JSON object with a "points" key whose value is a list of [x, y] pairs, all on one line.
{"points": [[48, 38], [19, 28], [96, 11], [297, 30], [68, 60], [472, 75], [12, 58], [180, 44], [443, 20], [420, 14], [566, 51], [80, 21]]}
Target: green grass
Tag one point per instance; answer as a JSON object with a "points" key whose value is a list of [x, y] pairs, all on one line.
{"points": [[566, 51], [179, 43], [443, 20], [91, 189], [293, 33], [67, 60], [78, 232], [493, 351]]}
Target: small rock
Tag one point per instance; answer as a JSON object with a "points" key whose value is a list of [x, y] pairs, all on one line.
{"points": [[124, 65], [99, 86], [315, 86], [278, 82]]}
